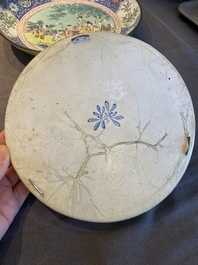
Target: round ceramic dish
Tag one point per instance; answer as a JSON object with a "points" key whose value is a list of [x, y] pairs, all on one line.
{"points": [[100, 136], [34, 25]]}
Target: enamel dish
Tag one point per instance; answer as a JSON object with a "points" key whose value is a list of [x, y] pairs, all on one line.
{"points": [[32, 26]]}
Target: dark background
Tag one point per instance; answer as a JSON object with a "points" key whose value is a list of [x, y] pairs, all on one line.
{"points": [[165, 235]]}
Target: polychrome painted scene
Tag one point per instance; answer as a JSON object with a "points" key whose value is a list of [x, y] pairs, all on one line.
{"points": [[67, 20]]}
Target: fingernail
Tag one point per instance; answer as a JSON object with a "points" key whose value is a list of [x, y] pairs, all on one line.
{"points": [[3, 153]]}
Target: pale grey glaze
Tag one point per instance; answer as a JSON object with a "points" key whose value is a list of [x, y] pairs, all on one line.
{"points": [[135, 155]]}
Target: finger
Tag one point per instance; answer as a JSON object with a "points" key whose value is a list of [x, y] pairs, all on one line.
{"points": [[4, 160], [2, 137], [12, 176], [21, 193], [4, 225], [3, 141]]}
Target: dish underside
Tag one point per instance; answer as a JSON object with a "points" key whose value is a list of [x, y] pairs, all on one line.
{"points": [[100, 136]]}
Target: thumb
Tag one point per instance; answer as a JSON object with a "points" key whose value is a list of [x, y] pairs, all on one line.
{"points": [[4, 160]]}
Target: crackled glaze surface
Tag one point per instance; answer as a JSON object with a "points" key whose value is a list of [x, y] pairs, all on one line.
{"points": [[100, 136], [35, 25]]}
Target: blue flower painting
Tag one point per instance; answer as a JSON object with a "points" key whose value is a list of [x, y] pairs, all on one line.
{"points": [[104, 115]]}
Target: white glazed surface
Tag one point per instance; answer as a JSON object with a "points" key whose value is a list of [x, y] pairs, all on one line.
{"points": [[112, 173]]}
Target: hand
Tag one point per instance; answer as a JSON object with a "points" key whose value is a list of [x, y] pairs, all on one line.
{"points": [[12, 191]]}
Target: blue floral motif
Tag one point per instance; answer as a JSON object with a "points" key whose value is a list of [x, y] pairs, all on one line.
{"points": [[104, 115], [112, 4], [13, 7], [20, 7]]}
